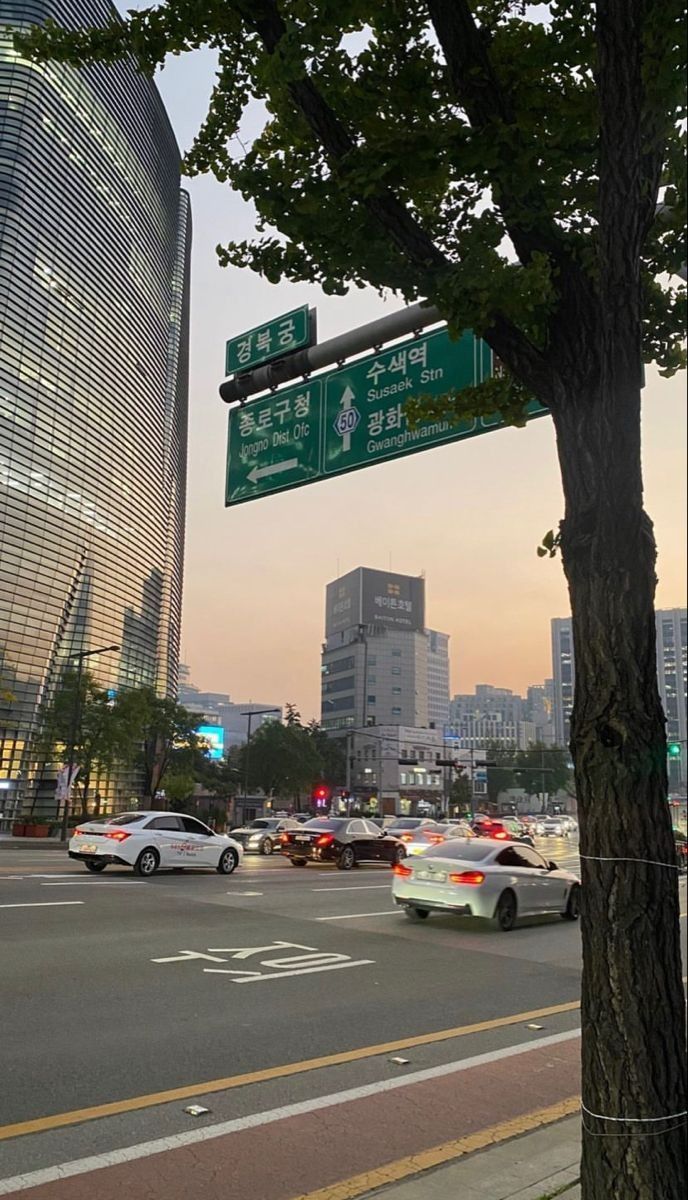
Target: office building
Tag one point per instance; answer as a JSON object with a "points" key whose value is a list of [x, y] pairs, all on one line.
{"points": [[563, 671], [382, 784], [671, 680], [380, 665], [94, 262]]}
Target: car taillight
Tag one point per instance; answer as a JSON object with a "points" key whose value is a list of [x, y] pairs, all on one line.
{"points": [[503, 837], [118, 835], [400, 869], [324, 839], [434, 837], [405, 837], [284, 838], [472, 877]]}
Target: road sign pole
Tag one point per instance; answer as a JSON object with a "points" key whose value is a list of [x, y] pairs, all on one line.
{"points": [[302, 362]]}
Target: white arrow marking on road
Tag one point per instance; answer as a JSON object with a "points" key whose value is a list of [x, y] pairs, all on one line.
{"points": [[345, 403], [44, 904], [256, 473]]}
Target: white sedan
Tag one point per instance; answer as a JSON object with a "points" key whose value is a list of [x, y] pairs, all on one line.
{"points": [[481, 878], [148, 840]]}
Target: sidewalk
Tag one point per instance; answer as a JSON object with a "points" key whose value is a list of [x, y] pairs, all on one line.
{"points": [[536, 1166]]}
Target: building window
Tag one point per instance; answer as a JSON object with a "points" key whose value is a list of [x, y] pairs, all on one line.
{"points": [[396, 654], [396, 670], [371, 700], [396, 691], [396, 712]]}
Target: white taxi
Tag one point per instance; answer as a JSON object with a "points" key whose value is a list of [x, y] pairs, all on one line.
{"points": [[149, 840]]}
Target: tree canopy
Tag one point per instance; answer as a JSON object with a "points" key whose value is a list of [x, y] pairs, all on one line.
{"points": [[446, 150]]}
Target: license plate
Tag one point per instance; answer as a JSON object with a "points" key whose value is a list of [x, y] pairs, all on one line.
{"points": [[88, 849], [432, 876], [306, 840]]}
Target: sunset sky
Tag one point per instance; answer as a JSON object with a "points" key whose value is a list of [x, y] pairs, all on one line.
{"points": [[469, 516]]}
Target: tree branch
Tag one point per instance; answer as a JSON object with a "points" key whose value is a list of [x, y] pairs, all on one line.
{"points": [[405, 232], [481, 95]]}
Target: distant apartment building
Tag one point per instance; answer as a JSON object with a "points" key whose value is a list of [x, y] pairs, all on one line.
{"points": [[380, 665], [671, 680], [490, 715], [438, 679]]}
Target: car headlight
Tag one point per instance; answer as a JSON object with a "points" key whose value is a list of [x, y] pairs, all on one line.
{"points": [[255, 837]]}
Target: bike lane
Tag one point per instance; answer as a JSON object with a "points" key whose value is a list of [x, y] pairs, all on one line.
{"points": [[297, 1150]]}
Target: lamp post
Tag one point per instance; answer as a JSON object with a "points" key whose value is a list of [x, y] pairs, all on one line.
{"points": [[79, 655], [255, 712]]}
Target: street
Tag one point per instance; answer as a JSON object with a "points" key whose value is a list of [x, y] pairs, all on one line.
{"points": [[126, 1000]]}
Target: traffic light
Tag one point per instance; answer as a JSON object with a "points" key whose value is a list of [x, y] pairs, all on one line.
{"points": [[674, 750], [321, 795]]}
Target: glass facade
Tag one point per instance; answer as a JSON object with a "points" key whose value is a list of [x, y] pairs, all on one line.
{"points": [[95, 241]]}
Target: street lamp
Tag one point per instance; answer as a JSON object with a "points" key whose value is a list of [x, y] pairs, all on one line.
{"points": [[255, 712], [79, 655]]}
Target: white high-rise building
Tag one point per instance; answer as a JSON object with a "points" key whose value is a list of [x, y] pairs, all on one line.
{"points": [[438, 679]]}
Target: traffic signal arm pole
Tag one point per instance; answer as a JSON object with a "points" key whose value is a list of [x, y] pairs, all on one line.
{"points": [[313, 358]]}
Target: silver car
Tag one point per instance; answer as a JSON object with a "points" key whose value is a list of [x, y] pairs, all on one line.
{"points": [[478, 878]]}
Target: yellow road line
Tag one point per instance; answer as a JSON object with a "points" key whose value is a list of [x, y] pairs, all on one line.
{"points": [[134, 1103], [413, 1164]]}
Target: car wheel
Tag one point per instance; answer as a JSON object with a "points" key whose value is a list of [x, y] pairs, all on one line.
{"points": [[267, 847], [572, 910], [399, 855], [147, 862], [347, 859], [229, 861], [95, 866], [298, 862], [417, 914], [507, 909]]}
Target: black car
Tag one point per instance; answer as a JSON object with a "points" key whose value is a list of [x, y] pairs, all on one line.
{"points": [[344, 841], [263, 835]]}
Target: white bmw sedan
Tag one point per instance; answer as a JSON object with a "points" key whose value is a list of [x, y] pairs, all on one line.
{"points": [[484, 878], [148, 840]]}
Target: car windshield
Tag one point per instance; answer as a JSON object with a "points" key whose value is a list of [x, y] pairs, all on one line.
{"points": [[323, 823], [408, 823], [264, 824], [470, 850]]}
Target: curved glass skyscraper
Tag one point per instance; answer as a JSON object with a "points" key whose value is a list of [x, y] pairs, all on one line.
{"points": [[94, 263]]}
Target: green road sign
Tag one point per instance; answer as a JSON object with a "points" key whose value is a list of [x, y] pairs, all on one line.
{"points": [[355, 416], [272, 340], [274, 443]]}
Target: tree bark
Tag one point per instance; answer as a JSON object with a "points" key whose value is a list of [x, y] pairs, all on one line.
{"points": [[632, 1008]]}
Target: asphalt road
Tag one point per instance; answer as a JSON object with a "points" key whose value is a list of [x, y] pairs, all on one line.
{"points": [[123, 992]]}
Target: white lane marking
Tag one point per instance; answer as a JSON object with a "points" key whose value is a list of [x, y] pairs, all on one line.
{"points": [[94, 883], [81, 1166], [391, 912], [258, 978], [44, 904], [244, 893], [356, 887]]}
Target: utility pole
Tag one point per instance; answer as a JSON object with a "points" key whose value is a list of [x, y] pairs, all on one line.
{"points": [[255, 712]]}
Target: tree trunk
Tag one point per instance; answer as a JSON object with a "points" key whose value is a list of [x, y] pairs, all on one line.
{"points": [[632, 1010]]}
